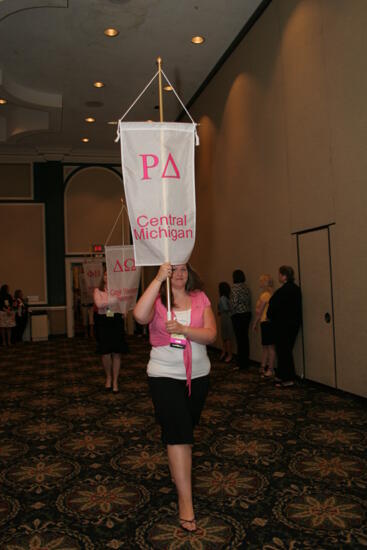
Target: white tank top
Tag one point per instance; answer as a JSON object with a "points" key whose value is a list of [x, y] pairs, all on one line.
{"points": [[168, 362]]}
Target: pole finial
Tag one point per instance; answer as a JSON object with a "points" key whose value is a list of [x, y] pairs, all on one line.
{"points": [[159, 63]]}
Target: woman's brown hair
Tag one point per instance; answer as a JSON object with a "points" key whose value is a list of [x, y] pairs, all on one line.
{"points": [[238, 276], [193, 283], [287, 271], [17, 294]]}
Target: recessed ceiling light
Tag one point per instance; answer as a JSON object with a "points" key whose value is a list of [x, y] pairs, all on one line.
{"points": [[98, 84], [3, 101], [168, 88], [85, 140], [111, 33], [197, 39], [112, 122], [90, 119]]}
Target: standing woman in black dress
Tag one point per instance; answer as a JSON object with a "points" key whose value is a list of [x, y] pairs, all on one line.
{"points": [[110, 334], [241, 316], [285, 315]]}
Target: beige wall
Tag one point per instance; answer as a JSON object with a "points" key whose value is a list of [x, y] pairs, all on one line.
{"points": [[23, 249], [283, 128], [16, 181], [92, 204]]}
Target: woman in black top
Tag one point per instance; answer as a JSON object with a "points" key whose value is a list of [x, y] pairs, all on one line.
{"points": [[241, 316], [285, 314]]}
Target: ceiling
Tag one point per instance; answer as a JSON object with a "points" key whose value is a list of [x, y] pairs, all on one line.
{"points": [[53, 50]]}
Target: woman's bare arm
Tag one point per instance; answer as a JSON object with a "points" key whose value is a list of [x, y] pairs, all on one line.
{"points": [[260, 306], [144, 309], [99, 299]]}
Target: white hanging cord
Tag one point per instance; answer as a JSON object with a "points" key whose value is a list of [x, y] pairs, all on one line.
{"points": [[179, 99], [184, 108], [139, 96], [114, 225], [132, 105], [123, 208], [123, 224]]}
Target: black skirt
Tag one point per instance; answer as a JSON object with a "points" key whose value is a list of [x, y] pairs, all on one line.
{"points": [[176, 411], [267, 335], [110, 334]]}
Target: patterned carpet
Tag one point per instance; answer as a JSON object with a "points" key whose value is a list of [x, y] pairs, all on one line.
{"points": [[276, 469]]}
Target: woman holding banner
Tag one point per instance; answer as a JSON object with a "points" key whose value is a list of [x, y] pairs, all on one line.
{"points": [[178, 368], [110, 334]]}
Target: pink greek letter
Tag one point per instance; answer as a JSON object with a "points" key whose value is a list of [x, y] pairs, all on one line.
{"points": [[147, 166]]}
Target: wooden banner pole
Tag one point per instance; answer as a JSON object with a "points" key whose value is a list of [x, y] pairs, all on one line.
{"points": [[159, 63]]}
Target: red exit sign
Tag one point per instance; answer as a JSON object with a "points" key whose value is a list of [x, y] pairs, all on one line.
{"points": [[98, 248]]}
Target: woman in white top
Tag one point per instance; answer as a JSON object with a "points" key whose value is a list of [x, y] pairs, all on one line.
{"points": [[178, 368], [110, 334]]}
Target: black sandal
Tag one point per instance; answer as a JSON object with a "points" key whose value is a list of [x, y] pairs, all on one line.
{"points": [[191, 521]]}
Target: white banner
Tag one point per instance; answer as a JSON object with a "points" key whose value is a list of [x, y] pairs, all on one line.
{"points": [[159, 178], [123, 276], [90, 279]]}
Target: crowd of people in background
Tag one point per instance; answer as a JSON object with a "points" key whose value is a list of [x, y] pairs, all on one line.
{"points": [[13, 316], [278, 314], [278, 317]]}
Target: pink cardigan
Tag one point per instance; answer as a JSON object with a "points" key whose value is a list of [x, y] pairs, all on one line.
{"points": [[158, 335]]}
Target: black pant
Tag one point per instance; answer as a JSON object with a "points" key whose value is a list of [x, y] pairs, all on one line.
{"points": [[285, 338], [241, 324]]}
